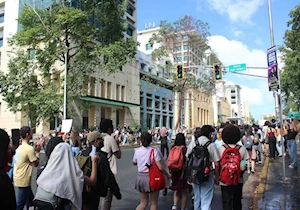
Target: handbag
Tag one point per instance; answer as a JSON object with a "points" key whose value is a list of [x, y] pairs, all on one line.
{"points": [[156, 177]]}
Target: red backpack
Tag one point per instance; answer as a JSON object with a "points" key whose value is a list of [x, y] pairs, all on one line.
{"points": [[156, 177], [176, 158], [230, 172]]}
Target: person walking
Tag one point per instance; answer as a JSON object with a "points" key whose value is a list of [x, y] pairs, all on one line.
{"points": [[248, 142], [112, 148], [27, 156], [163, 137], [279, 140], [272, 135], [179, 178], [7, 191], [291, 134], [141, 159], [232, 194], [203, 193], [105, 177]]}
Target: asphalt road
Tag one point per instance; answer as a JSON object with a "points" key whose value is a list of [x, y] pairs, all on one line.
{"points": [[130, 197]]}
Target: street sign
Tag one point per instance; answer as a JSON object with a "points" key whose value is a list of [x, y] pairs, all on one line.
{"points": [[237, 67], [271, 56], [294, 115], [272, 68]]}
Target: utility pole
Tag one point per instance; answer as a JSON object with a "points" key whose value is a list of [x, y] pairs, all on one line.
{"points": [[65, 84], [277, 93]]}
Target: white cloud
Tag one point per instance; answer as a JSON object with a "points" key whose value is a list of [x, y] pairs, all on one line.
{"points": [[237, 10]]}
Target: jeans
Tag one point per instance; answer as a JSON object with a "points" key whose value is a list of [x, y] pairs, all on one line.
{"points": [[24, 197], [232, 197], [292, 147], [203, 194], [272, 145]]}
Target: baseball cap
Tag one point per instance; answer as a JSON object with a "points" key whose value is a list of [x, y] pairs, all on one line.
{"points": [[94, 135]]}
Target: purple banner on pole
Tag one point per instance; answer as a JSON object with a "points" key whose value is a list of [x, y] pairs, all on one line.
{"points": [[273, 76], [272, 68]]}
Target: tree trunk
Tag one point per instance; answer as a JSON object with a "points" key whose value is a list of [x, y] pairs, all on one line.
{"points": [[181, 98]]}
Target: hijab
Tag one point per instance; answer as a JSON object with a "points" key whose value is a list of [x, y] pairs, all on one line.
{"points": [[62, 176]]}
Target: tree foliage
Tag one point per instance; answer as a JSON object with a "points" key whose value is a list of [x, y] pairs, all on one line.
{"points": [[290, 77], [87, 36], [195, 34]]}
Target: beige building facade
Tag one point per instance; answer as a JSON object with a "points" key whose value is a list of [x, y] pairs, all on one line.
{"points": [[114, 96]]}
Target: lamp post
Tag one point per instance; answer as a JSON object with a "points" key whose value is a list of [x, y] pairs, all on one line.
{"points": [[277, 94], [65, 85]]}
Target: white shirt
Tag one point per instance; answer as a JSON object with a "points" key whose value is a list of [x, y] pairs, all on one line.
{"points": [[142, 157], [110, 147], [93, 152]]}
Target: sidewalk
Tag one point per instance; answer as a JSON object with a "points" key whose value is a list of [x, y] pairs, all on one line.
{"points": [[277, 194]]}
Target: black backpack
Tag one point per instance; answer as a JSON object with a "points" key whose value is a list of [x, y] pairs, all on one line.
{"points": [[199, 163]]}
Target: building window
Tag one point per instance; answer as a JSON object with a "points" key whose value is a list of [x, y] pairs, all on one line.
{"points": [[186, 58], [185, 37], [118, 90], [232, 91], [130, 11], [149, 46], [149, 70], [149, 103], [164, 106], [178, 59], [149, 95], [1, 41], [31, 54], [123, 93], [109, 90], [2, 18], [142, 66], [170, 107], [129, 31], [157, 104], [185, 47]]}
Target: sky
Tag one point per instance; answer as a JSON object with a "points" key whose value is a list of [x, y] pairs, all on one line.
{"points": [[239, 34]]}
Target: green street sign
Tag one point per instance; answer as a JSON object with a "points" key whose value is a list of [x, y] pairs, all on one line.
{"points": [[237, 67], [294, 115]]}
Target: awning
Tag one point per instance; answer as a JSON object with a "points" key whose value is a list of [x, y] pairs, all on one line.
{"points": [[108, 101], [221, 115]]}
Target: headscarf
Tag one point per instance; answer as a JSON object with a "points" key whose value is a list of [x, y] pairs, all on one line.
{"points": [[163, 132], [62, 176], [51, 145]]}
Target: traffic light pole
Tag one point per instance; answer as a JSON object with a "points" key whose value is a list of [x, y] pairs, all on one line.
{"points": [[277, 93]]}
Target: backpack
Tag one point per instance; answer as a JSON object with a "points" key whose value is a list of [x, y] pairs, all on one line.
{"points": [[256, 139], [176, 158], [85, 164], [156, 177], [164, 140], [199, 163], [230, 168], [248, 143]]}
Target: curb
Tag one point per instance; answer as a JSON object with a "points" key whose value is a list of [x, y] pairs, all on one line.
{"points": [[261, 186]]}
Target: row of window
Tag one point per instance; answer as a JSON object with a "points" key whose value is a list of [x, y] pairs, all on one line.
{"points": [[179, 48]]}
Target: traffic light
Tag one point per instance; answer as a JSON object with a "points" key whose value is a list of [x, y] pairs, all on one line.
{"points": [[217, 72], [179, 72]]}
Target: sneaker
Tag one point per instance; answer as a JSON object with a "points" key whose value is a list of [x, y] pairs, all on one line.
{"points": [[260, 162], [292, 167], [174, 207]]}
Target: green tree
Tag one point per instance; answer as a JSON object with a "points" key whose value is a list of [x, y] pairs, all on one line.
{"points": [[194, 32], [87, 37], [290, 77]]}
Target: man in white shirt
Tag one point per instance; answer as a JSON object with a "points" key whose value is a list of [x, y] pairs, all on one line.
{"points": [[111, 147]]}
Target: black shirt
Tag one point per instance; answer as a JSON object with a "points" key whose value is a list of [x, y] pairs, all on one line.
{"points": [[291, 135]]}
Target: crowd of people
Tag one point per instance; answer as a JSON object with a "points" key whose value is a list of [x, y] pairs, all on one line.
{"points": [[79, 169]]}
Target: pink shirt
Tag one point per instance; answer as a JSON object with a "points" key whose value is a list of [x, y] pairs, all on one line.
{"points": [[142, 157]]}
